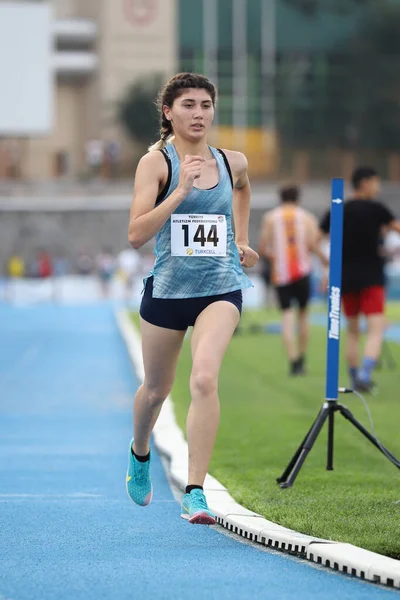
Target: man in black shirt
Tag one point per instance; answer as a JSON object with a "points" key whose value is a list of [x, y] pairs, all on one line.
{"points": [[363, 272]]}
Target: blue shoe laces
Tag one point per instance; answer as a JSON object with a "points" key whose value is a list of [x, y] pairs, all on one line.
{"points": [[200, 498], [141, 470]]}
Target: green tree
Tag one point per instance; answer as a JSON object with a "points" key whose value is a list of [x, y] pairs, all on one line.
{"points": [[310, 7], [363, 99], [350, 97], [137, 111]]}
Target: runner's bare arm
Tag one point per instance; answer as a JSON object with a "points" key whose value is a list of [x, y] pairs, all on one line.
{"points": [[241, 206], [146, 219], [395, 225], [314, 240]]}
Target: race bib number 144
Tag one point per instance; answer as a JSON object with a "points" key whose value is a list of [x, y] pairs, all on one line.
{"points": [[198, 235]]}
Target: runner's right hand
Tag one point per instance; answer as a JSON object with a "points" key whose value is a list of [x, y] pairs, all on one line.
{"points": [[190, 170]]}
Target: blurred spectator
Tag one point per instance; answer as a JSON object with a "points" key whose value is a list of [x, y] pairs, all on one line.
{"points": [[13, 159], [129, 267], [147, 262], [32, 268], [15, 270], [112, 157], [44, 265], [16, 267], [84, 263], [94, 156], [62, 163], [61, 265], [105, 264]]}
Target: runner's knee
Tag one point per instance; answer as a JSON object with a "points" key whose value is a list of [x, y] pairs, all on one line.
{"points": [[157, 394], [203, 383], [353, 327]]}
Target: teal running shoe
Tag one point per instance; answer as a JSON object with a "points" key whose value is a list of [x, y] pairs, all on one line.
{"points": [[195, 508], [138, 482]]}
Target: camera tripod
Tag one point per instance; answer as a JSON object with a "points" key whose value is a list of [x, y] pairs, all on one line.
{"points": [[327, 412]]}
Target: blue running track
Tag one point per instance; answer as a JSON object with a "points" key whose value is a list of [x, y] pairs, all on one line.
{"points": [[67, 528]]}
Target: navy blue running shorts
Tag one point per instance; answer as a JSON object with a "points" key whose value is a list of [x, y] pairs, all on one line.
{"points": [[180, 313]]}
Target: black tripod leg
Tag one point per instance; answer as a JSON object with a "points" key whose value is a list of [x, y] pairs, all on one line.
{"points": [[349, 416], [294, 458], [331, 421], [306, 447]]}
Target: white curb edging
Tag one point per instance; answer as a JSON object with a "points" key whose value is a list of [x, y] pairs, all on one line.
{"points": [[169, 441]]}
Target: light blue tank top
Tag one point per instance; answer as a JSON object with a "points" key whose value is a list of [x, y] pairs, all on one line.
{"points": [[196, 276]]}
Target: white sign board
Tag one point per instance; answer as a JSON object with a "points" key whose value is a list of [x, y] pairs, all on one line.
{"points": [[26, 78]]}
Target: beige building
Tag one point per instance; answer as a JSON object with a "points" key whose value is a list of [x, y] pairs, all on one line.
{"points": [[100, 48]]}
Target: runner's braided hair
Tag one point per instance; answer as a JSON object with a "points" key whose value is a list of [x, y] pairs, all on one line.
{"points": [[174, 88]]}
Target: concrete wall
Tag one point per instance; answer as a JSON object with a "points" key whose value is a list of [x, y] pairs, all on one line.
{"points": [[65, 233], [96, 222]]}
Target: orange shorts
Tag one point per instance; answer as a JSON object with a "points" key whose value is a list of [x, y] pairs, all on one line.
{"points": [[368, 301]]}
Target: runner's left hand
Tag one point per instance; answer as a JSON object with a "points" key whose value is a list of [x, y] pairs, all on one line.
{"points": [[248, 256]]}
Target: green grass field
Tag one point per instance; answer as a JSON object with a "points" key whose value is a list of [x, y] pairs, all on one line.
{"points": [[265, 415]]}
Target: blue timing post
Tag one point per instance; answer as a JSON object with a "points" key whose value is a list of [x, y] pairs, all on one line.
{"points": [[335, 293]]}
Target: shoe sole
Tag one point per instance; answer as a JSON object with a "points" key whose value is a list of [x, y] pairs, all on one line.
{"points": [[200, 519]]}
